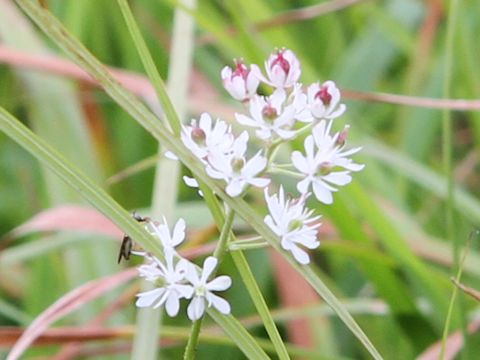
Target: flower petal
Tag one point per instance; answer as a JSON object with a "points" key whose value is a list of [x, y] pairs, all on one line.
{"points": [[322, 193], [209, 265], [147, 298], [172, 305], [300, 255], [219, 303], [220, 283], [196, 308]]}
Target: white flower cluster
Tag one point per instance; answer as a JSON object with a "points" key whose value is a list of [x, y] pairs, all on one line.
{"points": [[322, 167], [177, 278], [288, 112]]}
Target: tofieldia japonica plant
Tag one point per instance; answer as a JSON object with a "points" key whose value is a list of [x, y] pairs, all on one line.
{"points": [[246, 159]]}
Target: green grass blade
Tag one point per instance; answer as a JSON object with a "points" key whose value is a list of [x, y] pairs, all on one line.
{"points": [[139, 112], [260, 304], [150, 67], [165, 187], [78, 181], [103, 202]]}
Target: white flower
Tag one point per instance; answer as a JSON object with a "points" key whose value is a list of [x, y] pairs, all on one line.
{"points": [[169, 241], [324, 153], [270, 116], [293, 223], [299, 102], [172, 278], [240, 83], [201, 138], [203, 289], [235, 170], [323, 100], [283, 69]]}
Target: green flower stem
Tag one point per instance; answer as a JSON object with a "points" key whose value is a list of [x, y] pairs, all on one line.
{"points": [[247, 277], [276, 170], [222, 244], [54, 29], [219, 253], [238, 245], [191, 347], [213, 337], [252, 246], [150, 67]]}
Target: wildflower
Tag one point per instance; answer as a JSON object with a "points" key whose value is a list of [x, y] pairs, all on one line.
{"points": [[171, 278], [318, 165], [203, 296], [169, 241], [283, 69], [270, 116], [323, 100], [293, 223], [299, 102], [240, 83], [235, 170], [201, 138]]}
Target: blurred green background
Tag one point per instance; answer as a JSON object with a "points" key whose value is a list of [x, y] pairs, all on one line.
{"points": [[384, 240]]}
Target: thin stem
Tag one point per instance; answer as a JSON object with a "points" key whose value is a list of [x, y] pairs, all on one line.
{"points": [[247, 277], [247, 239], [447, 162], [277, 170], [472, 235], [219, 253], [191, 347], [222, 244], [239, 245], [150, 67]]}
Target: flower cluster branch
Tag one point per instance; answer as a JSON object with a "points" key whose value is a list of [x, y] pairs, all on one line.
{"points": [[245, 160]]}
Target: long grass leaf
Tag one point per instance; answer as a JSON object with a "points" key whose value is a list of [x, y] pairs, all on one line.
{"points": [[138, 111]]}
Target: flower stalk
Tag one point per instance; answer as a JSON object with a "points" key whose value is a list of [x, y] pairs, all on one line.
{"points": [[219, 253]]}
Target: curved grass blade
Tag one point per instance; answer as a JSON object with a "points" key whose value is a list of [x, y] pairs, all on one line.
{"points": [[54, 29], [103, 202]]}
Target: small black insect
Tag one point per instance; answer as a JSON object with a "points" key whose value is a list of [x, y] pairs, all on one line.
{"points": [[127, 242]]}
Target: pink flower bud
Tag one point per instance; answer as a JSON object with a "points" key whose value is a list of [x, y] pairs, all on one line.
{"points": [[324, 95], [240, 83], [282, 68]]}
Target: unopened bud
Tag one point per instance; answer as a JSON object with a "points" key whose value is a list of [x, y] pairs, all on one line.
{"points": [[240, 69], [342, 137], [282, 62]]}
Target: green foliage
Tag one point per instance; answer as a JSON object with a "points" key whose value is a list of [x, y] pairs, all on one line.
{"points": [[388, 240]]}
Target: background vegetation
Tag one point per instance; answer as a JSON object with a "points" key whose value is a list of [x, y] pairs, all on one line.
{"points": [[389, 242]]}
